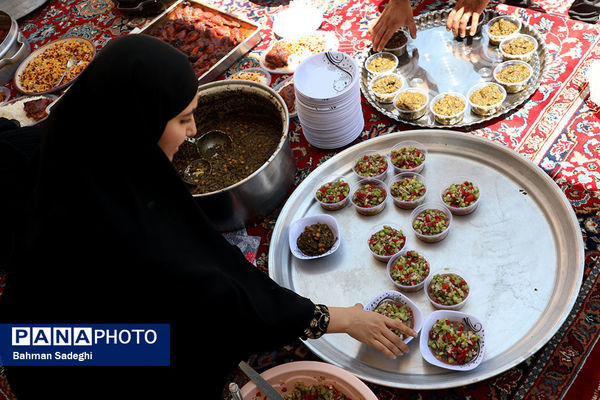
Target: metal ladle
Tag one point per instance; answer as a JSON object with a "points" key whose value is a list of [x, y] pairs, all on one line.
{"points": [[209, 143], [195, 170]]}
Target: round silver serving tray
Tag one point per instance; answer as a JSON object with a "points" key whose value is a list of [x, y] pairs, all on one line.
{"points": [[521, 251], [438, 62]]}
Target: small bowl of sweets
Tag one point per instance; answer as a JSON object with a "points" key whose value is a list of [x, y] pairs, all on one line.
{"points": [[514, 75], [369, 196], [411, 103], [486, 98], [461, 195], [448, 108], [385, 87], [332, 193], [431, 221], [314, 237], [521, 47], [452, 340], [385, 241], [381, 63], [408, 190], [408, 270], [447, 290], [501, 28], [397, 306]]}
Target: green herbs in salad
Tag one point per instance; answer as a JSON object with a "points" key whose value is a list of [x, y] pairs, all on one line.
{"points": [[409, 269], [431, 222], [448, 289], [316, 239], [409, 188], [407, 157], [369, 195], [387, 241], [399, 312], [371, 165], [460, 195], [315, 392], [333, 192], [451, 343]]}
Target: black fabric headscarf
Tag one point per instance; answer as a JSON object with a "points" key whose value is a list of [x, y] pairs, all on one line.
{"points": [[113, 235]]}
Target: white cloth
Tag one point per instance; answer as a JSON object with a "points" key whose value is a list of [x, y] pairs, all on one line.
{"points": [[593, 76]]}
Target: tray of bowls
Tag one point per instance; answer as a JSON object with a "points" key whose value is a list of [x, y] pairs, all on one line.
{"points": [[460, 238], [439, 80]]}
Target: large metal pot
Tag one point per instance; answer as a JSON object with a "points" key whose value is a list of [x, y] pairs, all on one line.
{"points": [[256, 196], [13, 49]]}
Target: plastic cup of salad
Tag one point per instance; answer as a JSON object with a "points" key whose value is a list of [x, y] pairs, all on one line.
{"points": [[333, 193], [431, 221], [369, 196], [447, 290], [461, 195], [408, 190], [501, 28], [385, 240], [408, 156], [521, 47], [408, 270], [371, 164]]}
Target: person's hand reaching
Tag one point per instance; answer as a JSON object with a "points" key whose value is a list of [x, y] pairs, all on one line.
{"points": [[397, 13], [370, 328], [463, 12]]}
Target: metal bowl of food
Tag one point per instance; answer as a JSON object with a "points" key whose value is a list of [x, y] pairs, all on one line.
{"points": [[14, 47], [253, 174]]}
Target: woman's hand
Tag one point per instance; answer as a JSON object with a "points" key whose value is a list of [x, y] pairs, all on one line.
{"points": [[396, 14], [370, 328], [465, 10]]}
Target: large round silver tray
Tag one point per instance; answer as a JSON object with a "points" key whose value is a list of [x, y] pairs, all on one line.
{"points": [[522, 251], [438, 62]]}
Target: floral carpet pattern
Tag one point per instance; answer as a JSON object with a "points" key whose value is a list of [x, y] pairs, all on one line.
{"points": [[558, 128]]}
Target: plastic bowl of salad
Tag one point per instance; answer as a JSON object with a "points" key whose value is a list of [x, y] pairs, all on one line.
{"points": [[385, 241], [408, 156], [447, 290], [461, 195], [431, 221], [452, 340], [399, 307], [369, 196], [408, 190], [333, 193], [408, 270], [371, 164]]}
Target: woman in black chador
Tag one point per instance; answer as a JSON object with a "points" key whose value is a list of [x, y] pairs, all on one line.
{"points": [[108, 233]]}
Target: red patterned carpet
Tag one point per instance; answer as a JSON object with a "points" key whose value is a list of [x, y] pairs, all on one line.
{"points": [[558, 129]]}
